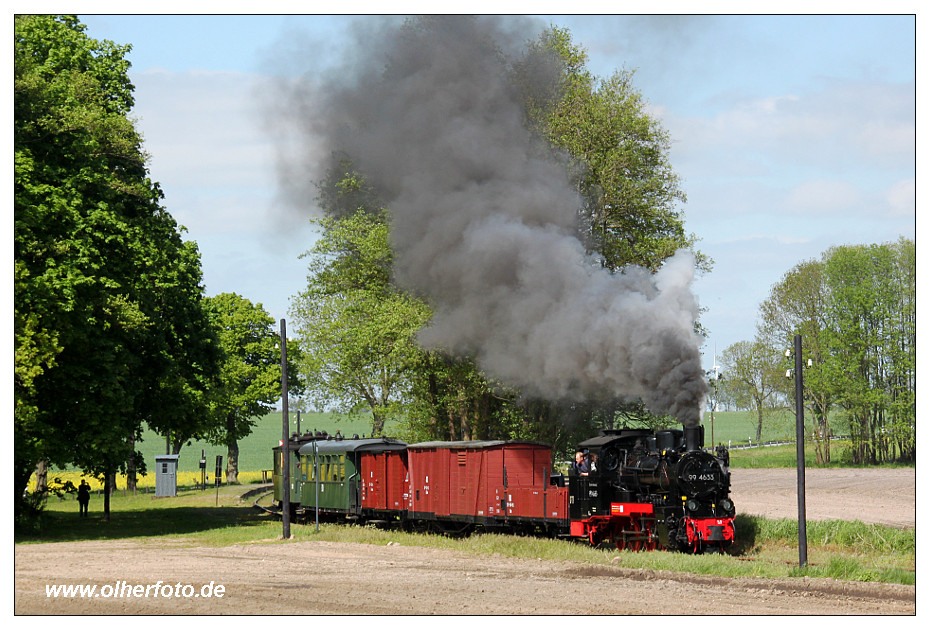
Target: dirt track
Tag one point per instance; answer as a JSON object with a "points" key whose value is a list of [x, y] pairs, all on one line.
{"points": [[338, 578], [870, 495]]}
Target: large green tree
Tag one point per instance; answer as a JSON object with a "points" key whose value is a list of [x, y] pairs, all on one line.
{"points": [[632, 194], [250, 372], [872, 313], [108, 326], [356, 328]]}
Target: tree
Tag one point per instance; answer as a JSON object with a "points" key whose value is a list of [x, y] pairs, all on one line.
{"points": [[798, 305], [619, 163], [356, 329], [107, 294], [855, 309], [752, 375], [871, 315], [250, 372], [622, 168]]}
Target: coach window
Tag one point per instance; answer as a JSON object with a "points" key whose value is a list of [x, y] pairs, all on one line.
{"points": [[342, 468]]}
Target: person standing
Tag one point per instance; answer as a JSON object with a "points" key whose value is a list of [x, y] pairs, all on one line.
{"points": [[83, 496]]}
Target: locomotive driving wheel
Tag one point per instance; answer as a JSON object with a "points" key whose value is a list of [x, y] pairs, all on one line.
{"points": [[619, 537], [636, 536]]}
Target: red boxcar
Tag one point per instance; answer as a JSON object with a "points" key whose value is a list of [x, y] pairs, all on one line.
{"points": [[485, 482], [383, 483]]}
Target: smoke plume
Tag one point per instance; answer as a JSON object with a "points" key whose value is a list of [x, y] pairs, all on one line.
{"points": [[484, 221]]}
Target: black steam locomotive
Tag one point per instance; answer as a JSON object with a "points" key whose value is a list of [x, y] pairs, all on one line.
{"points": [[668, 491]]}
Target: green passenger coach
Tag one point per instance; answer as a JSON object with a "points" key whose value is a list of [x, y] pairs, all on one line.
{"points": [[330, 469], [277, 477]]}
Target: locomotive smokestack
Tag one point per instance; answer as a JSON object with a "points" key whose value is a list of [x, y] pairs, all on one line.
{"points": [[484, 217], [694, 438]]}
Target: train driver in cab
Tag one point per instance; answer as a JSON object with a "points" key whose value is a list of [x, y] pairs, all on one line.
{"points": [[582, 465]]}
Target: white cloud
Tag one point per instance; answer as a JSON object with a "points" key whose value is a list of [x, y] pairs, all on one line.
{"points": [[825, 196], [902, 198], [842, 126], [202, 128], [215, 161]]}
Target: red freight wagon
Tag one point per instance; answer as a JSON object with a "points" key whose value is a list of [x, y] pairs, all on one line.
{"points": [[383, 473], [484, 482]]}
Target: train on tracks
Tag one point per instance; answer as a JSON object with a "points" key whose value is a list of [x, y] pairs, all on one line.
{"points": [[645, 490]]}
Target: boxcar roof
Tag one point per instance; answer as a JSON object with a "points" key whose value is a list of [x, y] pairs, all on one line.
{"points": [[475, 444], [350, 446]]}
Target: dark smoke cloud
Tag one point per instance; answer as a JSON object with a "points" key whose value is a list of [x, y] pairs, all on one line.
{"points": [[484, 221]]}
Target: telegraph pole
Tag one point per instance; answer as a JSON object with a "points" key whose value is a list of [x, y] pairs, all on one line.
{"points": [[799, 415], [285, 446]]}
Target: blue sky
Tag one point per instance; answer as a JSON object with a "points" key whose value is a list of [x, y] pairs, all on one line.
{"points": [[791, 134]]}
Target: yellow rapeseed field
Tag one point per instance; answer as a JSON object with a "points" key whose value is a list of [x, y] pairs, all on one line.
{"points": [[147, 481]]}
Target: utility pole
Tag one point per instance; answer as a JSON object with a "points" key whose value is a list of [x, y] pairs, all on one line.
{"points": [[285, 443], [713, 407], [799, 428]]}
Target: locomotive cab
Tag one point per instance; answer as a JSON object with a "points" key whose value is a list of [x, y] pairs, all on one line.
{"points": [[601, 508]]}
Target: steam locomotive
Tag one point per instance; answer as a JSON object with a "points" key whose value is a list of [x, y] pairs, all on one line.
{"points": [[646, 490]]}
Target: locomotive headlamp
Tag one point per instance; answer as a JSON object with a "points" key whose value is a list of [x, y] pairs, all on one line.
{"points": [[692, 505], [726, 504]]}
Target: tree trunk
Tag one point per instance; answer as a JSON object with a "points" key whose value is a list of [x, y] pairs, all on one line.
{"points": [[377, 422], [232, 450], [464, 428], [450, 417], [435, 407], [107, 488], [131, 467], [42, 479], [232, 462]]}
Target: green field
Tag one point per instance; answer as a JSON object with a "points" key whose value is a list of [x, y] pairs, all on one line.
{"points": [[255, 450], [739, 427]]}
